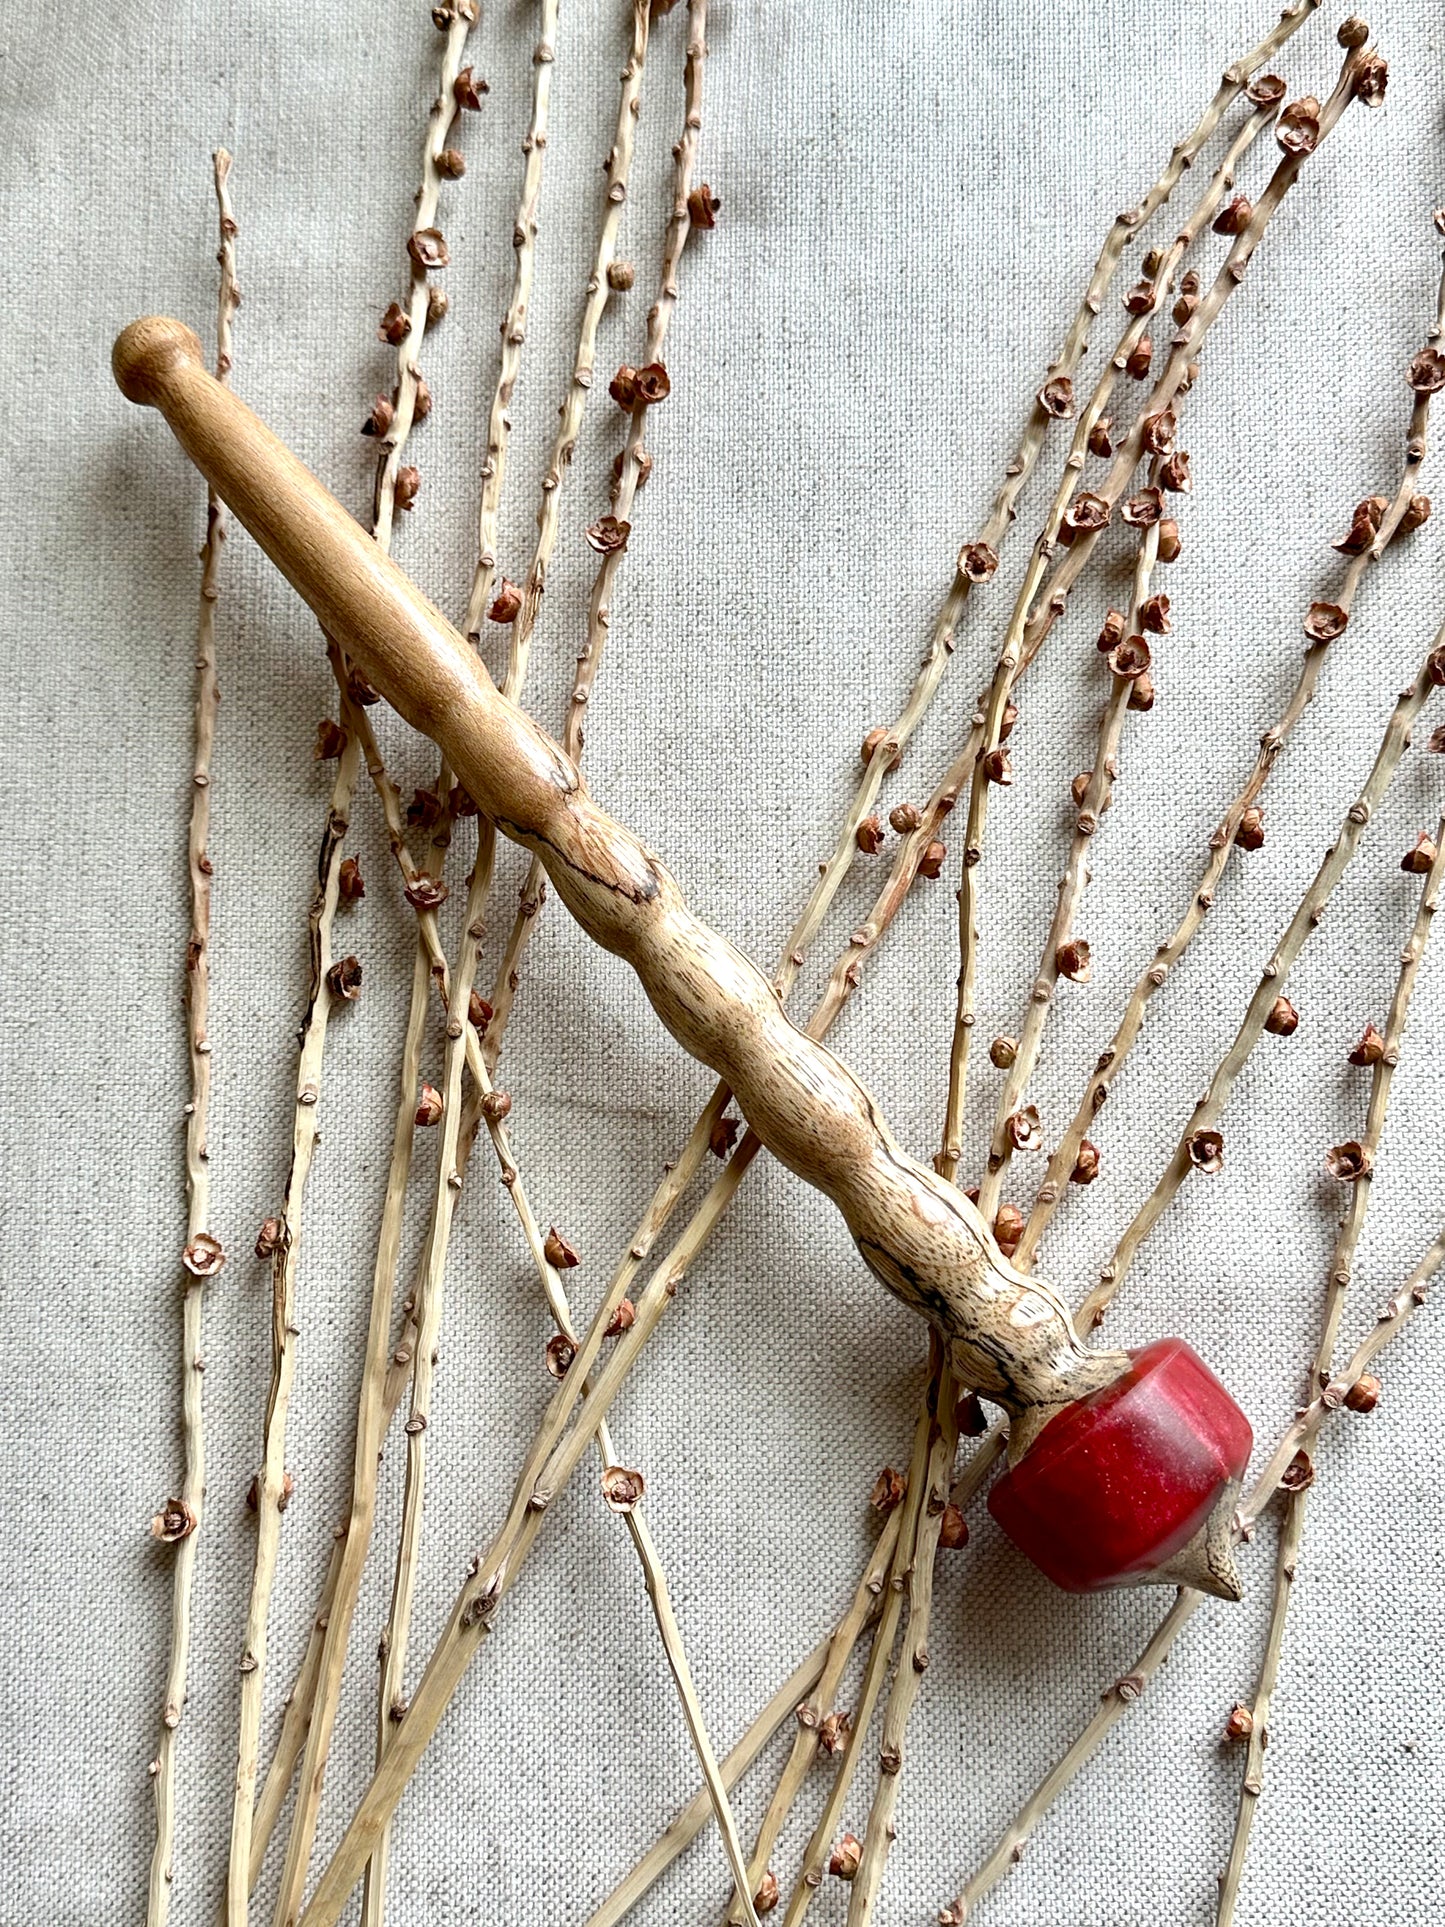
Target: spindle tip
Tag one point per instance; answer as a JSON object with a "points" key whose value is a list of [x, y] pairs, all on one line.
{"points": [[147, 352]]}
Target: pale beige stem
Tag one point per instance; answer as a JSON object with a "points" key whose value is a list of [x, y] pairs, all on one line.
{"points": [[514, 323], [1043, 601], [1222, 841], [201, 1252], [1337, 1286], [1207, 1113]]}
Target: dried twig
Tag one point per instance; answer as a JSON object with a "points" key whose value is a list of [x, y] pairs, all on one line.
{"points": [[1125, 1690], [1341, 1269], [1403, 512], [1034, 616], [179, 1520]]}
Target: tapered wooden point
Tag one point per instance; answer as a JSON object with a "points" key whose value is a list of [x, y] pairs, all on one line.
{"points": [[147, 351]]}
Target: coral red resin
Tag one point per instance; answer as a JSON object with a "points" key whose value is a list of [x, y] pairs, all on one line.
{"points": [[1115, 1486]]}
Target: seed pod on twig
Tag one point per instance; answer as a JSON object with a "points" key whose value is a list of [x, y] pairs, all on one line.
{"points": [[479, 1012], [835, 1732], [343, 979], [1348, 1162], [765, 1900], [1101, 442], [622, 1488], [1298, 127], [269, 1237], [1139, 359], [426, 892], [1143, 510], [888, 1490], [429, 1106], [381, 417], [1240, 1723], [723, 1136], [1154, 615], [468, 88], [1206, 1151], [703, 207], [1072, 960], [1250, 834], [1131, 659], [1170, 546], [428, 248], [1003, 1053], [1283, 1018], [1141, 692], [331, 739], [846, 1857], [438, 301], [997, 768], [561, 1350], [608, 536], [1235, 218], [620, 276], [1371, 79], [953, 1533], [873, 742], [1141, 298], [1086, 1163], [1174, 473], [395, 325], [508, 603], [1056, 397], [175, 1521], [1112, 632], [869, 836], [1417, 514], [559, 1254], [978, 561], [1370, 1050], [496, 1105], [1364, 1394], [652, 384], [1417, 862], [1008, 1229], [1325, 621], [407, 487], [930, 864], [624, 1317]]}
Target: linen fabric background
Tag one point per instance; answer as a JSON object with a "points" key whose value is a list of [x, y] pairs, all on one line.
{"points": [[912, 200]]}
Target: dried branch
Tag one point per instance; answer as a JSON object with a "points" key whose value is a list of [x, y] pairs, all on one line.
{"points": [[1119, 1697], [1034, 616], [180, 1519], [514, 323], [1201, 1144], [1340, 1271], [1402, 513], [633, 468]]}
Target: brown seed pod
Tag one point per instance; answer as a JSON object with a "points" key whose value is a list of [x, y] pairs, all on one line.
{"points": [[1361, 533], [765, 1900], [1140, 359], [561, 1350], [421, 400], [1348, 1162], [1206, 1151], [620, 276], [1435, 667], [608, 536], [1325, 621], [1086, 1164], [349, 885], [1169, 544], [270, 1237], [1250, 834], [1240, 1723], [1436, 744], [1056, 398], [1141, 298], [1426, 373], [652, 384], [1008, 1229], [930, 864], [1283, 1018], [624, 1317], [1158, 431], [1370, 1050], [360, 690], [425, 809], [428, 1106], [203, 1257], [1372, 76], [507, 604], [703, 206], [1141, 692], [426, 892], [496, 1105], [873, 742], [1143, 510], [1364, 1394], [644, 467], [1266, 90], [869, 836], [1298, 128], [479, 1013], [428, 248], [1025, 1129], [343, 979], [381, 417], [846, 1857], [1101, 442], [438, 301], [905, 817], [1299, 1474], [623, 387], [1417, 514], [1079, 788], [461, 802], [1154, 615], [283, 1498], [978, 561], [1112, 632], [558, 1253], [452, 163], [1183, 308], [1416, 862], [468, 88], [953, 1532], [1131, 659], [888, 1490], [835, 1732], [331, 739], [997, 768], [1174, 474], [1003, 1053], [175, 1521], [1235, 218], [723, 1136], [1087, 514], [395, 325], [407, 487], [1071, 960], [1353, 32], [622, 1488]]}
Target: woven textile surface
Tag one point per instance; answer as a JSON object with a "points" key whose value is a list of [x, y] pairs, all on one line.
{"points": [[912, 199]]}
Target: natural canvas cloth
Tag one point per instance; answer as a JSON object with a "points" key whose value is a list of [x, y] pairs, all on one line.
{"points": [[912, 198]]}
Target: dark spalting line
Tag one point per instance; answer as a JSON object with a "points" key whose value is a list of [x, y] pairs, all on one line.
{"points": [[523, 834]]}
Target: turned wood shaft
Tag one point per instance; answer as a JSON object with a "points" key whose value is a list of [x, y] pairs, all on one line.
{"points": [[1009, 1335]]}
